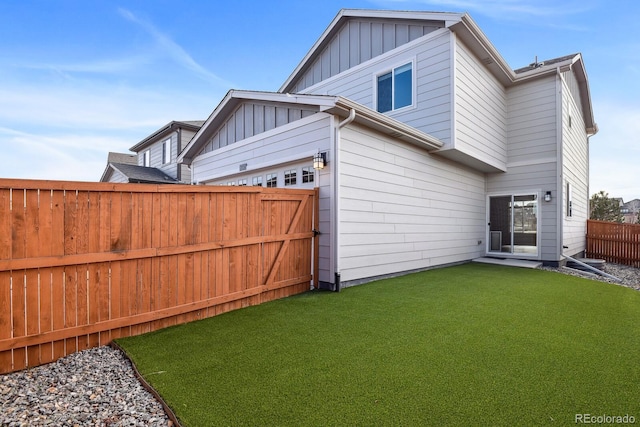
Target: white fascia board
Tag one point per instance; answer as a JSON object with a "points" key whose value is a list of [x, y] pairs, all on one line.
{"points": [[388, 125], [234, 95]]}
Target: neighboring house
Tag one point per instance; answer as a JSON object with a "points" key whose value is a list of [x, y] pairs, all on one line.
{"points": [[155, 158], [437, 152], [630, 211]]}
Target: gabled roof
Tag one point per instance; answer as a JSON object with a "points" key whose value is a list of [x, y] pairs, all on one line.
{"points": [[345, 15], [141, 174], [122, 158], [573, 63], [469, 33], [192, 125], [337, 105]]}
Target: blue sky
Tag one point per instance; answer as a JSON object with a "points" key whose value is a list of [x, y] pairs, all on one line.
{"points": [[81, 78]]}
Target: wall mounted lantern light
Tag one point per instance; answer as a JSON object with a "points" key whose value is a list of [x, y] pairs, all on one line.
{"points": [[547, 196], [319, 161]]}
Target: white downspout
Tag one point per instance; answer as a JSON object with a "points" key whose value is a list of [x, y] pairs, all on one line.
{"points": [[336, 176]]}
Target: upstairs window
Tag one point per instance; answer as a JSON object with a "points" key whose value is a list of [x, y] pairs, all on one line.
{"points": [[395, 88], [146, 158], [166, 152]]}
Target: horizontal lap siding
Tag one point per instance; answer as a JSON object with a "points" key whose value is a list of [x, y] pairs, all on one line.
{"points": [[575, 168], [300, 138], [403, 209], [432, 113], [480, 110], [532, 151]]}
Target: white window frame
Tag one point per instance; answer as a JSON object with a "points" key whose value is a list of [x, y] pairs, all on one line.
{"points": [[271, 176], [308, 174], [290, 177], [391, 70], [166, 152], [242, 182], [146, 158], [256, 181]]}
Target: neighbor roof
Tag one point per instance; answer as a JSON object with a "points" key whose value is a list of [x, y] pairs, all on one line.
{"points": [[142, 174], [192, 125]]}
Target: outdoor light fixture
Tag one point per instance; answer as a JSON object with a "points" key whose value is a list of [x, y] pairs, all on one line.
{"points": [[319, 161], [547, 196]]}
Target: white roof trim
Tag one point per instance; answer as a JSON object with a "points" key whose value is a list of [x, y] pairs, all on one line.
{"points": [[331, 104]]}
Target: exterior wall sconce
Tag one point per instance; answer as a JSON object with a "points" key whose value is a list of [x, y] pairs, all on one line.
{"points": [[547, 196], [319, 161]]}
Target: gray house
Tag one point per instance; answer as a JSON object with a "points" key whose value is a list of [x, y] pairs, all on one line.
{"points": [[155, 158], [430, 150]]}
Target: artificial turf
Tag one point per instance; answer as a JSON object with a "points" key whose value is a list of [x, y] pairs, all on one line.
{"points": [[465, 345]]}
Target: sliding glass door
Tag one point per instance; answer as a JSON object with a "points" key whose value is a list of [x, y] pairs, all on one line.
{"points": [[513, 224]]}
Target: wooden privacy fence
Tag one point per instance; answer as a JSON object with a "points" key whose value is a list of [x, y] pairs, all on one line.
{"points": [[613, 242], [84, 263]]}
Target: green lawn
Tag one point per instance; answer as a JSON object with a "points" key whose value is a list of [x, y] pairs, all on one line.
{"points": [[466, 345]]}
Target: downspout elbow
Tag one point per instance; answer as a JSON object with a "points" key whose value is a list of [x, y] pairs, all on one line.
{"points": [[349, 119]]}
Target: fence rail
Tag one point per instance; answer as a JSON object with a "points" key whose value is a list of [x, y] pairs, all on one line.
{"points": [[613, 242], [84, 263]]}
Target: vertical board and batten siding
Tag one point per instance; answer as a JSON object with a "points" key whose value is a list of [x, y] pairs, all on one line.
{"points": [[575, 167], [432, 110], [252, 118], [266, 152], [402, 209], [480, 110], [84, 263], [532, 155], [358, 41]]}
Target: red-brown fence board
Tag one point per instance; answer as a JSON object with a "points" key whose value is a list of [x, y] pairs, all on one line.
{"points": [[84, 263], [613, 242]]}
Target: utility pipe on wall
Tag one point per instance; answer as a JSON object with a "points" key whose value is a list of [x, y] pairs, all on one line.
{"points": [[336, 176]]}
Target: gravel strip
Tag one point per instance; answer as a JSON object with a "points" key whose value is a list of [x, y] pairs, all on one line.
{"points": [[95, 387], [98, 387], [629, 276]]}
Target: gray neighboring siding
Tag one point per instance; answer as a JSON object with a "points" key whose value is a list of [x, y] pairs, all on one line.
{"points": [[117, 177], [432, 54], [251, 119], [575, 168], [403, 209], [480, 111], [358, 41], [171, 168], [532, 148]]}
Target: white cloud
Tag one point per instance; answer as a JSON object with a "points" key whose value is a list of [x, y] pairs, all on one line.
{"points": [[174, 50]]}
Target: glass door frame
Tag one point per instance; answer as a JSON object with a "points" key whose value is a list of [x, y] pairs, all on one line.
{"points": [[512, 253]]}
